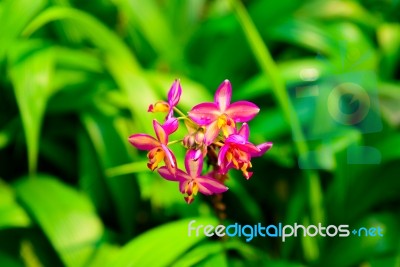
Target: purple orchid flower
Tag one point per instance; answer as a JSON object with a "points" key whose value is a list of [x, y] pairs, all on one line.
{"points": [[221, 114], [174, 95], [191, 182], [157, 148], [238, 151]]}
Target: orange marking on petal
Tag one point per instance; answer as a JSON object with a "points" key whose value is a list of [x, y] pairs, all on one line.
{"points": [[156, 155]]}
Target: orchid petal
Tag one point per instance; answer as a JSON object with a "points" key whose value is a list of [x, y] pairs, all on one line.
{"points": [[209, 186], [193, 166], [170, 126], [225, 167], [174, 93], [248, 148], [244, 131], [264, 147], [159, 106], [211, 133], [221, 154], [242, 111], [235, 139], [166, 174], [223, 95], [182, 185], [143, 141], [169, 159], [228, 130], [160, 132], [198, 153], [204, 113]]}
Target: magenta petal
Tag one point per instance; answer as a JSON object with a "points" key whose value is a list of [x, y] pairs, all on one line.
{"points": [[209, 186], [242, 111], [249, 148], [225, 167], [221, 154], [169, 159], [182, 185], [166, 174], [264, 147], [235, 139], [174, 93], [143, 141], [170, 125], [244, 131], [204, 113], [223, 95], [211, 133], [198, 153], [160, 132], [193, 166]]}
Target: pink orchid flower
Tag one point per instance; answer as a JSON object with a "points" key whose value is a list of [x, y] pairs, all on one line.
{"points": [[174, 95], [238, 151], [158, 150], [191, 182], [221, 114]]}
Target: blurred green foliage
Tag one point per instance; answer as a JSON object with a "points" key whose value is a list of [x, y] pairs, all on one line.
{"points": [[77, 78]]}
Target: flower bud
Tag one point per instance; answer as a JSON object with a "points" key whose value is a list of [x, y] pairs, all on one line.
{"points": [[199, 137], [189, 141]]}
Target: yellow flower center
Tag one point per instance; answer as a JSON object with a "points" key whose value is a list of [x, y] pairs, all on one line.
{"points": [[224, 122], [191, 188]]}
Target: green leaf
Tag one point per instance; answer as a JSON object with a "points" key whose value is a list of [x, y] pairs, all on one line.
{"points": [[118, 59], [386, 147], [293, 72], [163, 40], [342, 10], [12, 22], [65, 215], [91, 177], [389, 97], [160, 246], [219, 259], [9, 261], [8, 132], [11, 214], [105, 254], [354, 249], [388, 35], [31, 74], [385, 261], [200, 253], [108, 135]]}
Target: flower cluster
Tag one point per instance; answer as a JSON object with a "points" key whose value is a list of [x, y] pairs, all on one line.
{"points": [[213, 135]]}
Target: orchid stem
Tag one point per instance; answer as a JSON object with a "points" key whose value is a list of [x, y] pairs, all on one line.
{"points": [[270, 69], [180, 112], [182, 118], [174, 142]]}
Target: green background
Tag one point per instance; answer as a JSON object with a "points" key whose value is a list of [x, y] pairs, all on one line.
{"points": [[76, 79]]}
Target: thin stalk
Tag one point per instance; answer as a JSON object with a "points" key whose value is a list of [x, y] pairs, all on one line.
{"points": [[179, 112], [270, 70], [174, 142]]}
